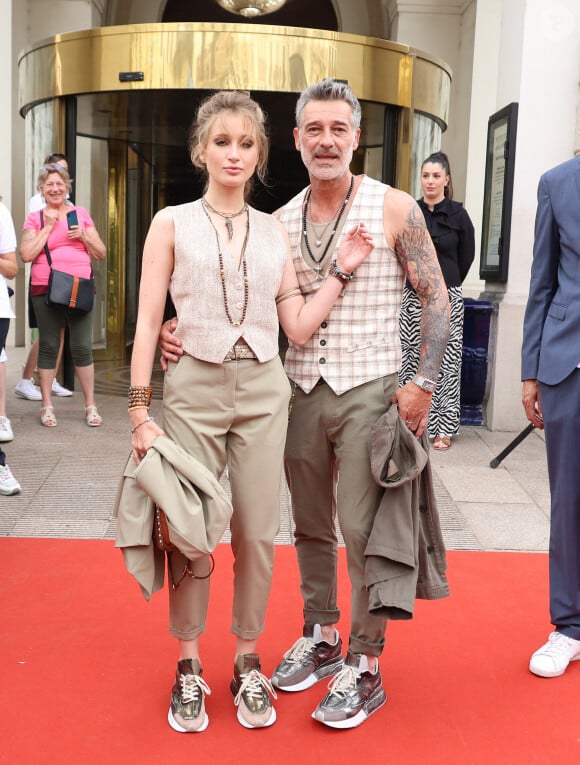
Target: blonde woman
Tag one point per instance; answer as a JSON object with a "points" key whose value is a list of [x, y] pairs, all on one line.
{"points": [[231, 278]]}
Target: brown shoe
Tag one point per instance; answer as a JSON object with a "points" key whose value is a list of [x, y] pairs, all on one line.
{"points": [[251, 690]]}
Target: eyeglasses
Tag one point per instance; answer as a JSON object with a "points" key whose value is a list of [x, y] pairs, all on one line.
{"points": [[54, 167]]}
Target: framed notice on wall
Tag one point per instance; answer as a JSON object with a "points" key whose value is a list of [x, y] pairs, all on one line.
{"points": [[498, 191]]}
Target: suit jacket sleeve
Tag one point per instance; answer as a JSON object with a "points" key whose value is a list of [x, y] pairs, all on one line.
{"points": [[544, 280]]}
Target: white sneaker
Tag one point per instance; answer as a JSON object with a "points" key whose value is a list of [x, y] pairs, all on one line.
{"points": [[8, 484], [27, 389], [6, 433], [554, 656], [58, 389]]}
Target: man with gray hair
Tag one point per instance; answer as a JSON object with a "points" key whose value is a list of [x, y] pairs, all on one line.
{"points": [[343, 379]]}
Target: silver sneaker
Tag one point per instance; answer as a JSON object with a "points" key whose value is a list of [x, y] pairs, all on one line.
{"points": [[8, 484], [28, 390], [309, 660], [59, 390], [354, 695], [6, 433]]}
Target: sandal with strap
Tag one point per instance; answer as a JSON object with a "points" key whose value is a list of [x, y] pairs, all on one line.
{"points": [[94, 419], [442, 443], [47, 417]]}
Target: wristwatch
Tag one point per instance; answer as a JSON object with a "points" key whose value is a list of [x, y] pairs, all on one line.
{"points": [[424, 383]]}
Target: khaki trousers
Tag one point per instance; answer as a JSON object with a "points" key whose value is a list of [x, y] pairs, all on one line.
{"points": [[328, 472], [235, 413]]}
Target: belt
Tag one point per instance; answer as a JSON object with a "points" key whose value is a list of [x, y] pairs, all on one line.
{"points": [[240, 352]]}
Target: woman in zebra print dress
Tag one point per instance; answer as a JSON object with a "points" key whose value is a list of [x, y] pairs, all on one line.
{"points": [[452, 233]]}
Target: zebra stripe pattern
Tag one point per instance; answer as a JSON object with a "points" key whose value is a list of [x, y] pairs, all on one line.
{"points": [[445, 405]]}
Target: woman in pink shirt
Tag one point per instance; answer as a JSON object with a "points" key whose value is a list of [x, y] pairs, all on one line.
{"points": [[71, 249]]}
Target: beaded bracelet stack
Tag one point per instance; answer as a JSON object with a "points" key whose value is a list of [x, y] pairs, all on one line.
{"points": [[140, 397]]}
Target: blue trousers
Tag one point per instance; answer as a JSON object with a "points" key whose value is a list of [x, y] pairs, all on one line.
{"points": [[561, 410]]}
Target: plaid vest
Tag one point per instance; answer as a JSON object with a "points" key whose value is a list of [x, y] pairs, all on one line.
{"points": [[359, 340]]}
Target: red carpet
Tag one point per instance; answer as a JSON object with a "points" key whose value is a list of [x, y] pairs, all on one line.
{"points": [[87, 666]]}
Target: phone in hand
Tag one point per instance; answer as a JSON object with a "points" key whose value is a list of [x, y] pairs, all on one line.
{"points": [[72, 218]]}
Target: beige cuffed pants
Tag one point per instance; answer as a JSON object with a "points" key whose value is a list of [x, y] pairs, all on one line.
{"points": [[235, 413]]}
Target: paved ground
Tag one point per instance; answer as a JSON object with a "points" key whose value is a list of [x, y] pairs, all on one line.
{"points": [[69, 475]]}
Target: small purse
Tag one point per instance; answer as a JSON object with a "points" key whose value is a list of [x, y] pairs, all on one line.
{"points": [[161, 532], [67, 290]]}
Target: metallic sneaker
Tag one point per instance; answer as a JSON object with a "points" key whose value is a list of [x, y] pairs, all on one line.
{"points": [[251, 690], [59, 390], [27, 389], [354, 694], [552, 659], [6, 433], [309, 660], [187, 709], [8, 484]]}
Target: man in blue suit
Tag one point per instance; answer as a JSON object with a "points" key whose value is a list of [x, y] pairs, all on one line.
{"points": [[551, 397]]}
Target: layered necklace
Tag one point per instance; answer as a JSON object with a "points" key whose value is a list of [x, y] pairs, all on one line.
{"points": [[226, 216], [206, 206], [336, 222]]}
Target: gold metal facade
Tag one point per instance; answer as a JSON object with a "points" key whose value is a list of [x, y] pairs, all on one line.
{"points": [[207, 56]]}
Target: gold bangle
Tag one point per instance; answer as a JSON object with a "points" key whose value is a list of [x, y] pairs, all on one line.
{"points": [[293, 292]]}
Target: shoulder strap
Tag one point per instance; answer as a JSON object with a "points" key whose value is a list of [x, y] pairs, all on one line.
{"points": [[47, 251]]}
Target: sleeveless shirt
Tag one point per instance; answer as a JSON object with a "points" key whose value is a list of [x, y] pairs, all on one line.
{"points": [[359, 340], [196, 286]]}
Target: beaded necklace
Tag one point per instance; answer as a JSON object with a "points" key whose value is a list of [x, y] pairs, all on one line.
{"points": [[243, 264], [319, 260], [227, 216]]}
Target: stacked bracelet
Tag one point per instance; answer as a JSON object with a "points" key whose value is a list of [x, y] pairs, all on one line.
{"points": [[140, 396], [335, 271], [138, 425]]}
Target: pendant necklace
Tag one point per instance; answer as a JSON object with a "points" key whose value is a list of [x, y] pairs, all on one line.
{"points": [[319, 260], [227, 216], [243, 262]]}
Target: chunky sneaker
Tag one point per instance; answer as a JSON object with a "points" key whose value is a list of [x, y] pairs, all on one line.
{"points": [[8, 484], [309, 660], [27, 389], [187, 709], [354, 694], [552, 659], [6, 433], [59, 390], [251, 690]]}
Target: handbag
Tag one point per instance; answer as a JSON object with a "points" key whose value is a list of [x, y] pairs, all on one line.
{"points": [[161, 532], [66, 290]]}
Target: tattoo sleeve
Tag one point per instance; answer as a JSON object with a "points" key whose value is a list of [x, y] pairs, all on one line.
{"points": [[417, 255]]}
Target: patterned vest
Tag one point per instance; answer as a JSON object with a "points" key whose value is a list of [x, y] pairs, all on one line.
{"points": [[196, 287], [359, 341]]}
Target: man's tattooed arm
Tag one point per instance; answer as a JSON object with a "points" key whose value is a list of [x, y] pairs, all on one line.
{"points": [[417, 255]]}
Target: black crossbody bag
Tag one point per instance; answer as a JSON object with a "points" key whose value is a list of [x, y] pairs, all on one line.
{"points": [[66, 290]]}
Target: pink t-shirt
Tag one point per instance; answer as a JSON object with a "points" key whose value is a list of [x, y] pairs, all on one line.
{"points": [[69, 255]]}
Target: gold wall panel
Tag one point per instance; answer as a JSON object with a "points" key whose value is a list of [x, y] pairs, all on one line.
{"points": [[251, 56]]}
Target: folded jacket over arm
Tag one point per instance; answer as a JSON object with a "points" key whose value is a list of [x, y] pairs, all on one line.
{"points": [[405, 553], [196, 505]]}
